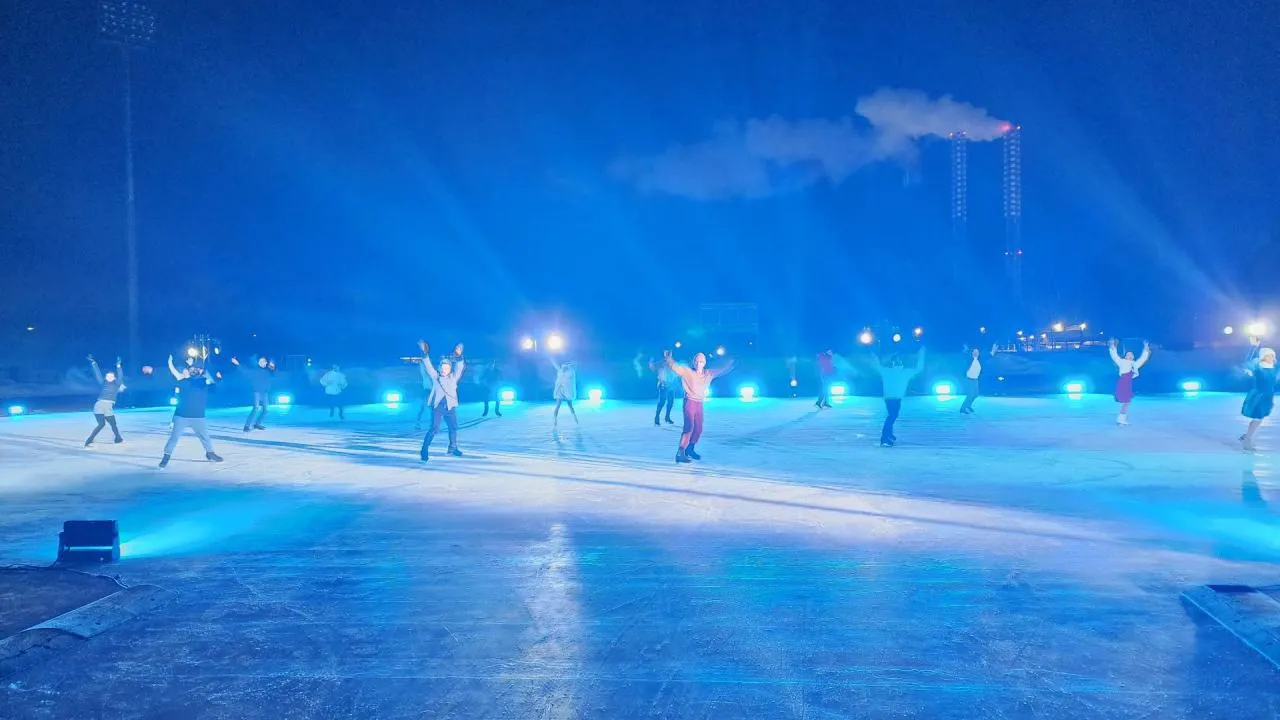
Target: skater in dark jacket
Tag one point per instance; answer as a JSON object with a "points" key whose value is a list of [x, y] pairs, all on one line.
{"points": [[490, 379], [668, 383], [259, 375], [104, 408], [193, 401]]}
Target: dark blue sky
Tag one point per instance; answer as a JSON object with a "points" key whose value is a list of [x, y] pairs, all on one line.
{"points": [[333, 172]]}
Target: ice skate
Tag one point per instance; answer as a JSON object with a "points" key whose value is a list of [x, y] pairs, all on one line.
{"points": [[693, 455], [246, 428], [682, 458], [213, 457], [164, 462], [670, 421], [455, 452], [259, 427]]}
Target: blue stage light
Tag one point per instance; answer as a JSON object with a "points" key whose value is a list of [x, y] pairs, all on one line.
{"points": [[839, 389], [747, 392], [1073, 387], [173, 401], [595, 394], [284, 399], [17, 410], [794, 382], [1191, 386], [942, 388], [507, 395], [392, 397]]}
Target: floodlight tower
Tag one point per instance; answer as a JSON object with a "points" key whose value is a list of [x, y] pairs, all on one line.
{"points": [[1012, 143], [130, 25]]}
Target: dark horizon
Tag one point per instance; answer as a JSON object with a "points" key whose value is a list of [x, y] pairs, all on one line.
{"points": [[341, 181]]}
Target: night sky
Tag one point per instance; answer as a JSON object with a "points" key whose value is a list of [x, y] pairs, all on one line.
{"points": [[344, 177]]}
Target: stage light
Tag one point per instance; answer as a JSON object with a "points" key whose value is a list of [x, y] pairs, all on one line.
{"points": [[527, 343], [720, 351], [193, 352], [1019, 333], [284, 399], [794, 382], [89, 540], [1084, 326], [1058, 327], [555, 343], [839, 389], [897, 337], [392, 397], [942, 388], [17, 410], [918, 331], [507, 395], [865, 337], [1228, 330], [1073, 387], [595, 394], [1191, 386], [173, 401], [1257, 328], [747, 392], [982, 330], [679, 344], [31, 328]]}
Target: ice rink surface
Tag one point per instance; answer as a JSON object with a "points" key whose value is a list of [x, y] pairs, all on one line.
{"points": [[1024, 562]]}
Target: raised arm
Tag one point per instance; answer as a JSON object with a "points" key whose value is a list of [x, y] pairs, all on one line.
{"points": [[1145, 356], [724, 369], [97, 372], [174, 370], [1115, 356]]}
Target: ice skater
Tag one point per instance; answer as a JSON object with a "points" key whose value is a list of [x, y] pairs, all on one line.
{"points": [[896, 378], [104, 408], [1128, 368], [668, 381], [1258, 402], [826, 371], [193, 401], [444, 397], [490, 379], [260, 375], [695, 381], [972, 382], [565, 390], [334, 383]]}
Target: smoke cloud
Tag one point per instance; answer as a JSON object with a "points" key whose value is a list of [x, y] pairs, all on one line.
{"points": [[769, 156]]}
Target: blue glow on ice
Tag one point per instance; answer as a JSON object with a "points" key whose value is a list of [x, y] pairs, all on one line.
{"points": [[284, 399], [1073, 387], [17, 410], [595, 394], [747, 392], [173, 401], [1191, 386], [392, 397], [507, 395], [839, 389], [942, 389]]}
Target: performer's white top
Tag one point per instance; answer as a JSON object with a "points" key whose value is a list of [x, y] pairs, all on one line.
{"points": [[334, 382], [1127, 366], [975, 370], [566, 382]]}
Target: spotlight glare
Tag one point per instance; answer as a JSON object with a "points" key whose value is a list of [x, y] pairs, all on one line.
{"points": [[865, 337], [747, 392], [1191, 386], [918, 331], [942, 388], [595, 394], [192, 352], [1074, 387], [284, 399], [507, 395], [17, 410], [720, 351], [1257, 328], [839, 389], [527, 343], [392, 397], [1058, 327], [794, 382], [555, 342], [897, 337], [1228, 330], [173, 401], [982, 330], [679, 344]]}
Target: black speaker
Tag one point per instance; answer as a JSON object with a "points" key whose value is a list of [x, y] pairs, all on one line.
{"points": [[89, 541]]}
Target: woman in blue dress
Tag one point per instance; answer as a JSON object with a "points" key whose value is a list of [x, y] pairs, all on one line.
{"points": [[1261, 396]]}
